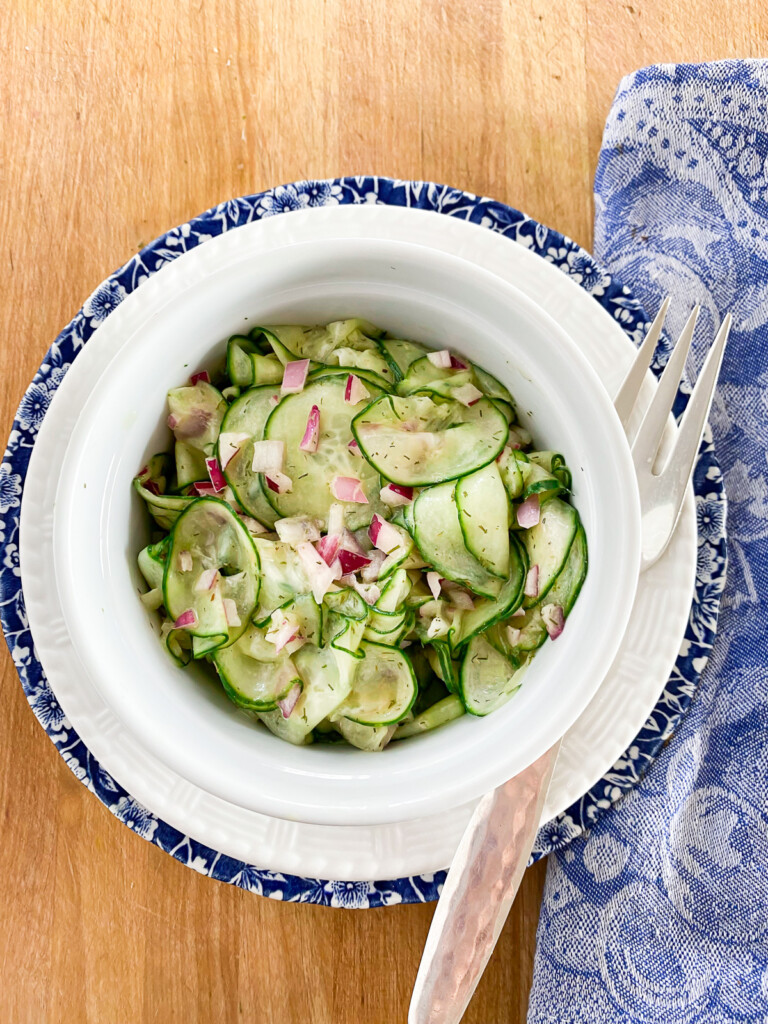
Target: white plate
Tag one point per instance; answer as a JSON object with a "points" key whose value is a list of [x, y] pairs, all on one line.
{"points": [[600, 736]]}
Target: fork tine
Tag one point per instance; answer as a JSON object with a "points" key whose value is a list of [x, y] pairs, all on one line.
{"points": [[677, 472], [626, 396], [648, 439]]}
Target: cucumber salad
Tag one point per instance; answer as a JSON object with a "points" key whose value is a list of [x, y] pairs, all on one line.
{"points": [[355, 533]]}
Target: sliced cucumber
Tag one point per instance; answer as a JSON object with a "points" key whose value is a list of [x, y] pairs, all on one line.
{"points": [[190, 465], [165, 509], [320, 343], [394, 593], [311, 473], [484, 518], [555, 464], [447, 710], [549, 542], [511, 464], [438, 536], [372, 360], [325, 687], [538, 480], [366, 376], [402, 352], [487, 612], [251, 683], [443, 665], [418, 440], [423, 374], [210, 535], [507, 411], [492, 387], [248, 415], [372, 738], [247, 366], [487, 678], [152, 561], [283, 577], [383, 689], [196, 414]]}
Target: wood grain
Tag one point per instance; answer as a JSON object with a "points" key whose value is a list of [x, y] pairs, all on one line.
{"points": [[120, 120]]}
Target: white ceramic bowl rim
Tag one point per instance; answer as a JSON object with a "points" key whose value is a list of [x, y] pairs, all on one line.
{"points": [[207, 741]]}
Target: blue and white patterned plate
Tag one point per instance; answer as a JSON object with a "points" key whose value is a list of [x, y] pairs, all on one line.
{"points": [[569, 258]]}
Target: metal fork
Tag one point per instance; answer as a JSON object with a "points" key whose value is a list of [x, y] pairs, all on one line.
{"points": [[489, 863]]}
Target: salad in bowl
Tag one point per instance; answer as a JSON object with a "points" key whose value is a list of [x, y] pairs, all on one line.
{"points": [[356, 534]]}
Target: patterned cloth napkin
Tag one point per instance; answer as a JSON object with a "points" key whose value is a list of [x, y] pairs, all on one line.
{"points": [[660, 913]]}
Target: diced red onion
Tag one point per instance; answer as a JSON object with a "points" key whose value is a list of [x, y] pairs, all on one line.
{"points": [[278, 482], [532, 582], [336, 569], [268, 456], [186, 619], [394, 495], [282, 632], [458, 364], [520, 613], [308, 443], [203, 490], [172, 422], [144, 471], [519, 434], [348, 488], [437, 627], [467, 394], [441, 359], [554, 619], [206, 579], [369, 592], [529, 512], [327, 547], [229, 446], [294, 376], [231, 612], [348, 580], [370, 572], [290, 700], [351, 561], [252, 525], [185, 561], [217, 477], [353, 446], [319, 573], [202, 375], [336, 519], [296, 529], [294, 645], [152, 487], [461, 598], [433, 582], [513, 635], [384, 535], [355, 391]]}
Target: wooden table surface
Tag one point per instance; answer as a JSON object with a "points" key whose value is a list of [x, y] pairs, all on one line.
{"points": [[121, 120]]}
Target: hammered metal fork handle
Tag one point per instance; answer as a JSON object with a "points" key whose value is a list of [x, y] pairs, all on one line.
{"points": [[478, 893]]}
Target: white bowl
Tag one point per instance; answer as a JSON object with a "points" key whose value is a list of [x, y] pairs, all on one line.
{"points": [[183, 716]]}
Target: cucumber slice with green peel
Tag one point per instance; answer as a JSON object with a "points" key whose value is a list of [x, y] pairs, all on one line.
{"points": [[372, 738], [487, 612], [248, 415], [484, 518], [423, 374], [307, 614], [247, 365], [394, 593], [446, 710], [564, 591], [152, 561], [438, 536], [165, 509], [319, 343], [507, 410], [383, 688], [312, 473], [487, 678], [402, 352], [398, 555], [372, 360], [492, 387], [324, 689], [419, 440], [190, 465], [442, 663], [251, 683], [548, 544], [511, 464], [196, 412], [538, 480], [283, 578], [366, 376], [209, 536], [555, 464]]}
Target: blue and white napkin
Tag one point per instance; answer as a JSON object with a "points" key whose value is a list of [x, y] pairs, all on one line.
{"points": [[660, 914]]}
